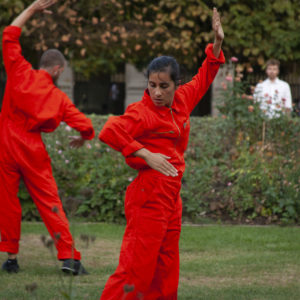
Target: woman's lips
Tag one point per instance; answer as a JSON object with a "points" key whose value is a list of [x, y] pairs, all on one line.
{"points": [[158, 101]]}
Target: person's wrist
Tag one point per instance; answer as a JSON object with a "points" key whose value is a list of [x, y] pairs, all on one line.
{"points": [[31, 9], [218, 41], [142, 153]]}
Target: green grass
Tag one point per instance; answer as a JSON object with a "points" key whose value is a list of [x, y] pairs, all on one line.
{"points": [[217, 262]]}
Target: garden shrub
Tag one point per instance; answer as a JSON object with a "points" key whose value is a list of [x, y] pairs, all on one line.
{"points": [[240, 167], [228, 176]]}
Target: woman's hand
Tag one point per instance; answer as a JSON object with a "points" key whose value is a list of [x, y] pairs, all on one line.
{"points": [[217, 26], [158, 162], [219, 33]]}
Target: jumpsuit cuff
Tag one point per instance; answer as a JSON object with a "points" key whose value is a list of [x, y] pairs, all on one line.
{"points": [[9, 247], [131, 148], [210, 55], [88, 134], [68, 254], [14, 31]]}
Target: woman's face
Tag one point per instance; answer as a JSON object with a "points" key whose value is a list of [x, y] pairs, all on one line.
{"points": [[161, 88]]}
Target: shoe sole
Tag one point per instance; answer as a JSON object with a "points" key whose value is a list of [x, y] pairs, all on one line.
{"points": [[69, 270], [13, 269], [10, 271]]}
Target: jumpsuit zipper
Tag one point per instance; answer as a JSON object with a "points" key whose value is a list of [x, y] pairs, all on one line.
{"points": [[176, 126]]}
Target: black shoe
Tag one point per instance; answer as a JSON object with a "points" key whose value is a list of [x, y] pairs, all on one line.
{"points": [[11, 266], [74, 267]]}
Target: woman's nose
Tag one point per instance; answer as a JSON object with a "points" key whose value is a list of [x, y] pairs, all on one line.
{"points": [[157, 92]]}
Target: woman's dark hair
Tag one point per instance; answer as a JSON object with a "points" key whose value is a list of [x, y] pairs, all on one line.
{"points": [[165, 64]]}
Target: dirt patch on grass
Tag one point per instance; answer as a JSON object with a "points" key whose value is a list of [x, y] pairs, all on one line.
{"points": [[288, 276], [39, 265], [97, 252], [100, 252]]}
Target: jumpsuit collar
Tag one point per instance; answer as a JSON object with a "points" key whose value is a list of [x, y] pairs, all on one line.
{"points": [[162, 110]]}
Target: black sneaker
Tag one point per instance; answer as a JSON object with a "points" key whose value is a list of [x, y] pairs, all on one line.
{"points": [[11, 266], [74, 267]]}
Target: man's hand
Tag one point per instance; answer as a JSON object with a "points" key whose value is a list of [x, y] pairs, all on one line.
{"points": [[76, 141], [36, 6], [158, 162], [219, 33], [42, 5]]}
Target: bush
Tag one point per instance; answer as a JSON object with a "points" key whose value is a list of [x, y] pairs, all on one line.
{"points": [[263, 170], [231, 174]]}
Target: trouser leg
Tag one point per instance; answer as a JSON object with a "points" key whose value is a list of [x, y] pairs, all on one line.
{"points": [[10, 209], [166, 278], [42, 188], [148, 218], [144, 233], [138, 257]]}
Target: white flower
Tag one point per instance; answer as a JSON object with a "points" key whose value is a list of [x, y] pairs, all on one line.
{"points": [[88, 145], [67, 161], [68, 128], [59, 151]]}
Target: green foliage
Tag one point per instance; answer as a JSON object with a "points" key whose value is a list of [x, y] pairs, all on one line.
{"points": [[231, 173], [263, 169], [91, 180], [98, 36]]}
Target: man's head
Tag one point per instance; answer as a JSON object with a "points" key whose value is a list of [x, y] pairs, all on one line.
{"points": [[53, 61], [272, 68]]}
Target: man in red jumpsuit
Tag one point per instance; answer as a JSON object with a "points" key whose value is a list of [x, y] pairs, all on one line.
{"points": [[33, 104], [153, 135]]}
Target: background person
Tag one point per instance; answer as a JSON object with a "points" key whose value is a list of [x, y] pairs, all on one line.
{"points": [[33, 104], [153, 135], [273, 94]]}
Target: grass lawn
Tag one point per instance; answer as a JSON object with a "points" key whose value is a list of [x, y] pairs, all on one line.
{"points": [[217, 262]]}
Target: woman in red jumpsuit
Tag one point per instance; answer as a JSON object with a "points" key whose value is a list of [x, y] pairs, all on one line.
{"points": [[153, 135], [33, 104]]}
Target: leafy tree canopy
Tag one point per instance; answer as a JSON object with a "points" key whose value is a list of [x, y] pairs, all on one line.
{"points": [[99, 35]]}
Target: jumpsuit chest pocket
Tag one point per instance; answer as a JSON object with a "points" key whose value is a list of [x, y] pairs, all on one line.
{"points": [[168, 134], [163, 132]]}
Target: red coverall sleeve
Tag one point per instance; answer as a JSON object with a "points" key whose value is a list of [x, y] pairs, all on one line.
{"points": [[14, 62], [194, 90], [77, 120], [120, 132]]}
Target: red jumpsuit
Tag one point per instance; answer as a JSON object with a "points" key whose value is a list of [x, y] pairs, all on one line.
{"points": [[149, 258], [32, 104]]}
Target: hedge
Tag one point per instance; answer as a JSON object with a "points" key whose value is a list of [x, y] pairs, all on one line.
{"points": [[231, 173]]}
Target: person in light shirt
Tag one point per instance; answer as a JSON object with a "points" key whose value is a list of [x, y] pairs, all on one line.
{"points": [[273, 94]]}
